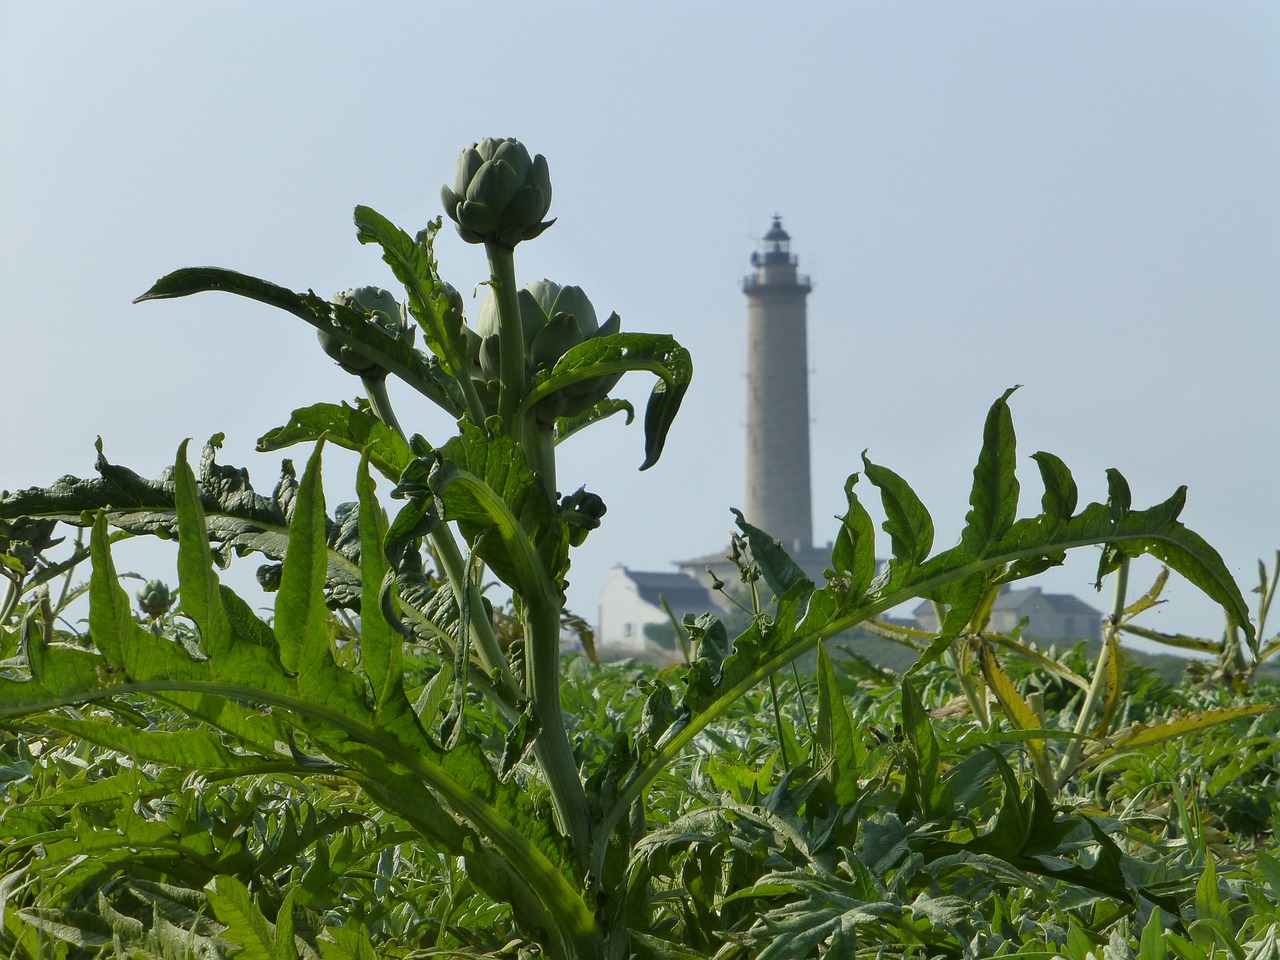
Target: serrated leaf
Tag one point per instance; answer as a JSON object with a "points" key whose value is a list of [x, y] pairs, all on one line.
{"points": [[247, 928], [83, 928], [413, 263], [833, 733], [348, 326], [380, 644], [237, 518], [566, 427], [302, 626], [780, 572], [993, 499], [1060, 493], [1142, 735], [198, 584], [619, 353], [853, 554], [346, 427], [907, 522]]}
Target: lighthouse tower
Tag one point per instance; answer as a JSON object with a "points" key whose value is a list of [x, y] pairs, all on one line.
{"points": [[778, 487]]}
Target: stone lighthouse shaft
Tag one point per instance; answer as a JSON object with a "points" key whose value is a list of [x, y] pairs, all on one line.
{"points": [[778, 486]]}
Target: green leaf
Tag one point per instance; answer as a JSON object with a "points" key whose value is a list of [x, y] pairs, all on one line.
{"points": [[1060, 493], [237, 518], [780, 572], [503, 510], [993, 498], [380, 644], [1151, 944], [925, 794], [198, 584], [347, 427], [302, 625], [247, 928], [833, 734], [566, 427], [907, 522], [83, 928], [348, 326], [853, 554], [191, 749], [620, 353]]}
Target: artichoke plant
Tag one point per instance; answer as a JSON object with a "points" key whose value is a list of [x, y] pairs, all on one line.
{"points": [[387, 312], [553, 319], [500, 194]]}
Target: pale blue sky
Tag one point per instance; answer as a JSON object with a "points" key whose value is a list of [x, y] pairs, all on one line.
{"points": [[1083, 198]]}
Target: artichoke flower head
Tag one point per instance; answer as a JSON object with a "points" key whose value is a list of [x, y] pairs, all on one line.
{"points": [[385, 311], [155, 599], [500, 194], [553, 320]]}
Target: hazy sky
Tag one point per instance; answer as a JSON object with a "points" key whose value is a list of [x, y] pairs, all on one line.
{"points": [[1083, 198]]}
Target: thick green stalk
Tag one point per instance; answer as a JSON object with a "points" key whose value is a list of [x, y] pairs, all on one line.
{"points": [[554, 755], [502, 267], [540, 452], [376, 387]]}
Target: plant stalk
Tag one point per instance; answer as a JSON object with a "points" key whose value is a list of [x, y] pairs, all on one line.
{"points": [[552, 749], [1099, 682], [466, 592], [511, 390], [540, 452], [380, 401], [453, 564]]}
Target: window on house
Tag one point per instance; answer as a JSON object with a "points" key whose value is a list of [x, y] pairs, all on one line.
{"points": [[628, 629]]}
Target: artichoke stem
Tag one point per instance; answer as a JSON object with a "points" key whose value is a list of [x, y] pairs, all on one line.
{"points": [[511, 388], [540, 452], [551, 748], [376, 388], [465, 591]]}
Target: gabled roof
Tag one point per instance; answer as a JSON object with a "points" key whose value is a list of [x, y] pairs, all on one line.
{"points": [[1063, 603], [682, 592], [1015, 601]]}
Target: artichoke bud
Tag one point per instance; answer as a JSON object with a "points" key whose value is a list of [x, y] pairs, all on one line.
{"points": [[155, 599], [490, 362], [553, 320], [500, 194], [384, 311], [553, 341]]}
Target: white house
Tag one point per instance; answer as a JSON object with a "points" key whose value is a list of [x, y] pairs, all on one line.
{"points": [[633, 622]]}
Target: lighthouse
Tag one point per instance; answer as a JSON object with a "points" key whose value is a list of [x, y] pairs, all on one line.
{"points": [[778, 494]]}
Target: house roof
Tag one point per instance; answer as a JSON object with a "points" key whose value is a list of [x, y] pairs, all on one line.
{"points": [[682, 592], [1063, 603], [1015, 601]]}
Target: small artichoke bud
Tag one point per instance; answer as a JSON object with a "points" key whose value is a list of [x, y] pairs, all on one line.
{"points": [[155, 599], [385, 311], [499, 194]]}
